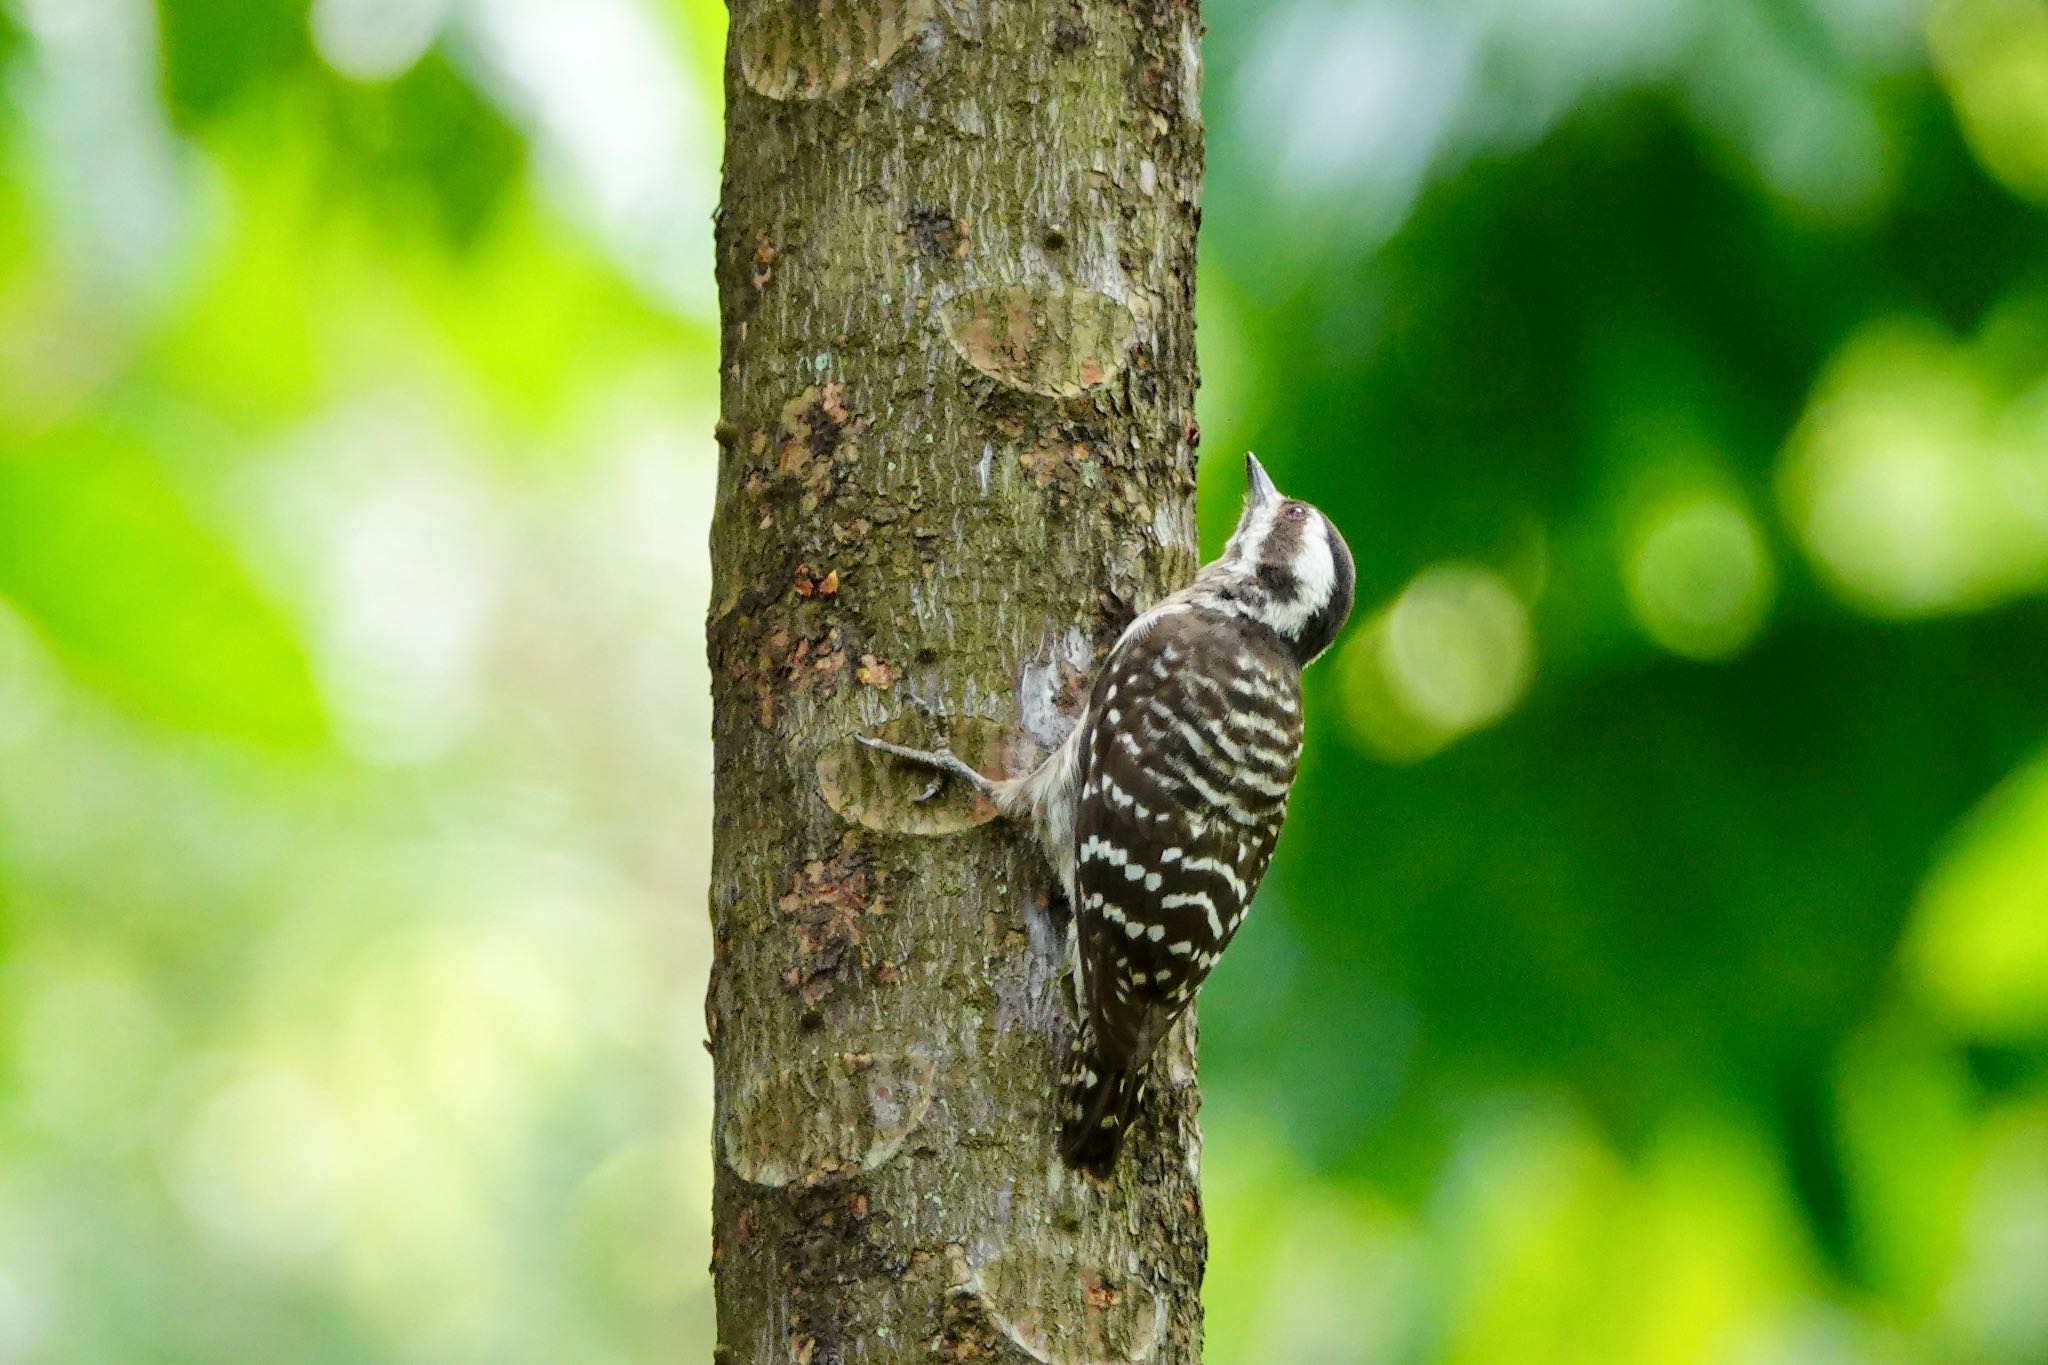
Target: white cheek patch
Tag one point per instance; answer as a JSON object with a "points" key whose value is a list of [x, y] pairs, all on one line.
{"points": [[1319, 567], [1315, 576]]}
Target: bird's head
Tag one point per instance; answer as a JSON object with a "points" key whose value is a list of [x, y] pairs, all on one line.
{"points": [[1287, 567]]}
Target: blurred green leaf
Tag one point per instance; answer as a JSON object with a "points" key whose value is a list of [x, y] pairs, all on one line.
{"points": [[246, 340], [1978, 948], [541, 320], [141, 598], [427, 144], [1902, 1106], [216, 52]]}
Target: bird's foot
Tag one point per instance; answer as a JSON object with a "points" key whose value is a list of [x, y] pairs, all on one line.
{"points": [[941, 760]]}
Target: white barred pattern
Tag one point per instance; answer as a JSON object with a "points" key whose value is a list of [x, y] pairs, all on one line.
{"points": [[1180, 773], [1184, 791]]}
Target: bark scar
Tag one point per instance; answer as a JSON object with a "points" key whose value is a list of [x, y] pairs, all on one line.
{"points": [[808, 49], [883, 793], [1060, 1310], [1041, 338], [827, 1118]]}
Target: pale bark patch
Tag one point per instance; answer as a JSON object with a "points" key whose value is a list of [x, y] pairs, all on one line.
{"points": [[886, 794], [1041, 338], [1061, 1311], [808, 49], [828, 1118]]}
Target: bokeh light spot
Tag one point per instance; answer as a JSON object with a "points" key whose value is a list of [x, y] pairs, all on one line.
{"points": [[257, 1160], [1993, 57], [1451, 655], [1698, 575], [376, 40], [89, 1036], [1914, 490]]}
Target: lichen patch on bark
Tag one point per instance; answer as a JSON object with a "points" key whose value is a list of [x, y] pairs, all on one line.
{"points": [[1052, 687], [829, 905], [814, 449], [1047, 339]]}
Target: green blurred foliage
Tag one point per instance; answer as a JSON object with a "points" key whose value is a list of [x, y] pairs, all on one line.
{"points": [[181, 629], [1657, 964], [219, 53], [1675, 785]]}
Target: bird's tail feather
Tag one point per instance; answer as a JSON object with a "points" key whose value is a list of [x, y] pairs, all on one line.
{"points": [[1101, 1101]]}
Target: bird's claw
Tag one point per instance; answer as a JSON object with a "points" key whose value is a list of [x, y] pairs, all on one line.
{"points": [[942, 759]]}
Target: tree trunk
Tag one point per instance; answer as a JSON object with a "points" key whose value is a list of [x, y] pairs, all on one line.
{"points": [[956, 265]]}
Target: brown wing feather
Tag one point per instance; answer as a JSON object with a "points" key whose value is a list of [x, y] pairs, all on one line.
{"points": [[1197, 733]]}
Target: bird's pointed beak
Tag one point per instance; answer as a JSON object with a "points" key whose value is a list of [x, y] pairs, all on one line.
{"points": [[1258, 488]]}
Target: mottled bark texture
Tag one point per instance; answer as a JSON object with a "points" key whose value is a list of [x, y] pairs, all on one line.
{"points": [[956, 264]]}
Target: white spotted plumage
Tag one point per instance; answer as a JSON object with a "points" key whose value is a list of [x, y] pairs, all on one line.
{"points": [[1161, 809], [1195, 723]]}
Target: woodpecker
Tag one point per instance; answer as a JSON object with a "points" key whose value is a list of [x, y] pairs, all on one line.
{"points": [[1160, 810]]}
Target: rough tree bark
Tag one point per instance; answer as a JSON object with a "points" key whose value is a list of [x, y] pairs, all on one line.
{"points": [[956, 264]]}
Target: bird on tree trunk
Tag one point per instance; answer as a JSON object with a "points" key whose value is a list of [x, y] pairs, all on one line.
{"points": [[1160, 810]]}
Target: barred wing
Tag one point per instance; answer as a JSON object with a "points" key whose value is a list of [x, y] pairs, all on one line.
{"points": [[1196, 732]]}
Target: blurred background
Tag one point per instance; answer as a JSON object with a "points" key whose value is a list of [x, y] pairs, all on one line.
{"points": [[1657, 966]]}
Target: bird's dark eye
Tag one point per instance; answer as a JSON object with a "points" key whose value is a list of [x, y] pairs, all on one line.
{"points": [[1295, 511]]}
